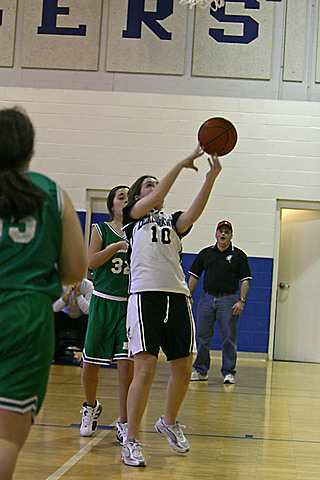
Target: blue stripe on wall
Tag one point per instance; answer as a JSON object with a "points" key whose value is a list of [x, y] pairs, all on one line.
{"points": [[82, 218], [253, 325], [95, 218]]}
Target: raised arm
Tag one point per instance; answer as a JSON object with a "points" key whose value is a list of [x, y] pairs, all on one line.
{"points": [[157, 196], [188, 217]]}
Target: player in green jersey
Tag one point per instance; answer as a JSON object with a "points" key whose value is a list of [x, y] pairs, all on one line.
{"points": [[106, 338], [41, 245]]}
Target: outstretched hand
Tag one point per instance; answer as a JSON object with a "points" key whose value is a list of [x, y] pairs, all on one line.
{"points": [[189, 161], [215, 165], [191, 215]]}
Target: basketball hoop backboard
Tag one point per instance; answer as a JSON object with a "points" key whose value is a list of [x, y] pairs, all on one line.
{"points": [[214, 4]]}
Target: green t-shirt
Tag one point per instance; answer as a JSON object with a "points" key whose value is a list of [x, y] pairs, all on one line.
{"points": [[30, 248]]}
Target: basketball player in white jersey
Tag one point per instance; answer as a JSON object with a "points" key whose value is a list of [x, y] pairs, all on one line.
{"points": [[159, 311]]}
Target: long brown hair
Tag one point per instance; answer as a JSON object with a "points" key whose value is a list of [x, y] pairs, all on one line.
{"points": [[110, 198], [135, 188], [18, 196]]}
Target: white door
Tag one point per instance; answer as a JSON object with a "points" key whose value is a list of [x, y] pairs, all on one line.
{"points": [[297, 327]]}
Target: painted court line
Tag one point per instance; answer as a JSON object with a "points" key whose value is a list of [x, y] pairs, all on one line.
{"points": [[189, 434], [81, 453], [74, 395]]}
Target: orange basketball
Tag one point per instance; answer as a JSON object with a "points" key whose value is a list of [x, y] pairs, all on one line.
{"points": [[217, 135]]}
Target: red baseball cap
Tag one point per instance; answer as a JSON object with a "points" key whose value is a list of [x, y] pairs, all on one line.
{"points": [[224, 223]]}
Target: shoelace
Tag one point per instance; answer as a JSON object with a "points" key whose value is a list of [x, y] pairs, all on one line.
{"points": [[88, 417], [136, 447], [123, 427], [178, 430], [85, 411], [137, 450]]}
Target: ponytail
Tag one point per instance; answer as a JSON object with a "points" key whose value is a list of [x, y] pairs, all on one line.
{"points": [[18, 196]]}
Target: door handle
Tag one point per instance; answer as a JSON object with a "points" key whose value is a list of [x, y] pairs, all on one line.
{"points": [[283, 285]]}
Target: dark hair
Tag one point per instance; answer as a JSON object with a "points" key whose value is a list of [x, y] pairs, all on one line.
{"points": [[18, 196], [110, 198], [135, 188]]}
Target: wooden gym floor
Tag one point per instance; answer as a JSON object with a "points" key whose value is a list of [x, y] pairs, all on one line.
{"points": [[266, 427]]}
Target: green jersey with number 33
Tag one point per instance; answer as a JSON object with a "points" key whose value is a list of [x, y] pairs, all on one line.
{"points": [[30, 248], [111, 277]]}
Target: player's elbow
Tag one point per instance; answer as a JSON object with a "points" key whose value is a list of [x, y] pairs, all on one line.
{"points": [[74, 275], [184, 222], [91, 263], [157, 198], [73, 267]]}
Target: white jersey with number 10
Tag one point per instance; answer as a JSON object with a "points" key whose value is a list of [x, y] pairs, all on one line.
{"points": [[155, 253]]}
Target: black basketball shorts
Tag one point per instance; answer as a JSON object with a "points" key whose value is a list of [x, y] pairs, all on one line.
{"points": [[160, 319]]}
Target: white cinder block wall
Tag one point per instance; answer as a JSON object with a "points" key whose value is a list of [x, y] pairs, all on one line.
{"points": [[95, 140]]}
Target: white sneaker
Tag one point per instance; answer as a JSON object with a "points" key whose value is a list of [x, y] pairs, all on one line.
{"points": [[229, 378], [131, 453], [174, 435], [89, 418], [122, 432], [197, 376]]}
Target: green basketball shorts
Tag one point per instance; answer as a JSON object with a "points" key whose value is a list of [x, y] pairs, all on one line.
{"points": [[106, 338], [26, 349]]}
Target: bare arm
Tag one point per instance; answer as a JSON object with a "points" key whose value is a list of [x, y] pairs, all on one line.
{"points": [[72, 262], [97, 256], [193, 281], [158, 195], [244, 289], [188, 217]]}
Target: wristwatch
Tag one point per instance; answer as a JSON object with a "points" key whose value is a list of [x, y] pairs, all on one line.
{"points": [[243, 300]]}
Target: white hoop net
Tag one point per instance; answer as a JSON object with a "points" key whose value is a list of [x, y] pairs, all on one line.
{"points": [[214, 4]]}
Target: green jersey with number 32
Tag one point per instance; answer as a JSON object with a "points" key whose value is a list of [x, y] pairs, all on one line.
{"points": [[111, 277]]}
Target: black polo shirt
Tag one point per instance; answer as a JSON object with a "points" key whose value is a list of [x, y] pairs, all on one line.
{"points": [[222, 270]]}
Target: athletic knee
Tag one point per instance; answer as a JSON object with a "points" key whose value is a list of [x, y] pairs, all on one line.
{"points": [[144, 376], [145, 366], [182, 375], [125, 370], [89, 370], [185, 376]]}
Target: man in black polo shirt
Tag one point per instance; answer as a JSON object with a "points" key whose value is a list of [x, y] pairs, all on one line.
{"points": [[223, 265]]}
